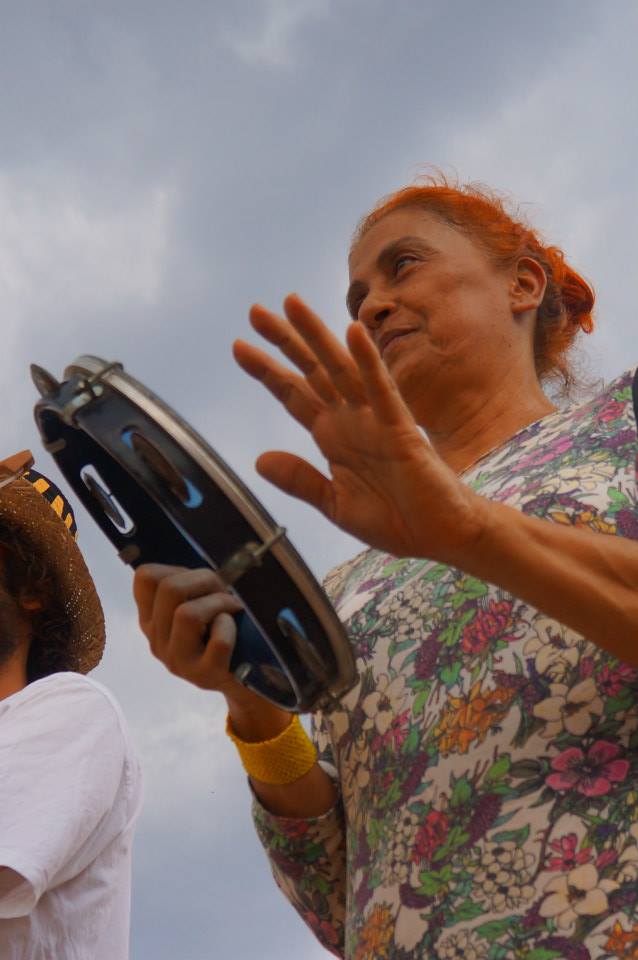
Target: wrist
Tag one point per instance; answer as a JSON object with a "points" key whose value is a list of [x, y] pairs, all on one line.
{"points": [[462, 542], [255, 719], [281, 760]]}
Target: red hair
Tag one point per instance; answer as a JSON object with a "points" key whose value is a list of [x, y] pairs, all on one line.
{"points": [[480, 213]]}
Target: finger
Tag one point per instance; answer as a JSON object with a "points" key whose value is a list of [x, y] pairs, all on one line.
{"points": [[289, 388], [219, 649], [297, 478], [282, 335], [171, 593], [329, 350], [191, 629], [145, 582], [381, 391]]}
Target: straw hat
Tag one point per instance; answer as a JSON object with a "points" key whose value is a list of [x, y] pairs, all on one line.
{"points": [[34, 506]]}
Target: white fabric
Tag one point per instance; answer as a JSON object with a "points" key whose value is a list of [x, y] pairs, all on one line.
{"points": [[70, 792]]}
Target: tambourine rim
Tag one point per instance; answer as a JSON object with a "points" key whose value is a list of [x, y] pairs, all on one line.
{"points": [[238, 494]]}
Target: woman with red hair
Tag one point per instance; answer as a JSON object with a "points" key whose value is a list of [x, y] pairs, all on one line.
{"points": [[474, 796]]}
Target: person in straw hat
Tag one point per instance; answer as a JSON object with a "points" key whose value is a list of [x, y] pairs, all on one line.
{"points": [[70, 785]]}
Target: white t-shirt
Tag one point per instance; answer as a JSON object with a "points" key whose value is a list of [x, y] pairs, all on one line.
{"points": [[70, 792]]}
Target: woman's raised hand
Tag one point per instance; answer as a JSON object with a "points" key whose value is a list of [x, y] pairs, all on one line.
{"points": [[387, 486]]}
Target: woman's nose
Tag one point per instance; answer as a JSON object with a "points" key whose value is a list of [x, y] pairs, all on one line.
{"points": [[374, 310]]}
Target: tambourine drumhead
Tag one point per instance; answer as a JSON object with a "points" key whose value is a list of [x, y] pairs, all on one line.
{"points": [[161, 494]]}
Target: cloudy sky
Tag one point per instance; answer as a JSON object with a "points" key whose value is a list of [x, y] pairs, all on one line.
{"points": [[164, 165]]}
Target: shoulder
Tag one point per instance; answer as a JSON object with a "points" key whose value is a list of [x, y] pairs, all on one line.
{"points": [[65, 700], [613, 408], [70, 722], [622, 387]]}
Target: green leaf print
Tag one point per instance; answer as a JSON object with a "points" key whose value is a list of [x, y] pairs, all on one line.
{"points": [[505, 818], [420, 702], [499, 769], [541, 953], [518, 836], [461, 793], [432, 881], [468, 910], [494, 929], [624, 701], [452, 633], [411, 742], [393, 795], [619, 501], [437, 571], [449, 675]]}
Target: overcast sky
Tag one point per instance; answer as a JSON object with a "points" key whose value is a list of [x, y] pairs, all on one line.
{"points": [[165, 164]]}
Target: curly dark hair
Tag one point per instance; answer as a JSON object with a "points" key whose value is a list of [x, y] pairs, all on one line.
{"points": [[29, 575]]}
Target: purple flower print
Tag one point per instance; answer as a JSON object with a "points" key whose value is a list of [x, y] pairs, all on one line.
{"points": [[591, 774], [627, 523]]}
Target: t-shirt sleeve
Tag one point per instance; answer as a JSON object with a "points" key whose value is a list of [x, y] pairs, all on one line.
{"points": [[62, 759]]}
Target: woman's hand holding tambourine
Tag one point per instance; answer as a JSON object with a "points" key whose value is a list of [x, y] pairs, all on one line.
{"points": [[387, 487], [187, 617]]}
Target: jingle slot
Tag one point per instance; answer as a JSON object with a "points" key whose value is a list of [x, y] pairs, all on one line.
{"points": [[161, 467], [100, 492]]}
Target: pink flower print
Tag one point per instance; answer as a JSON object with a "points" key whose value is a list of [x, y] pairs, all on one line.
{"points": [[568, 857], [591, 774], [395, 735], [488, 625], [399, 729], [295, 829], [611, 411], [606, 858], [550, 452], [611, 681], [431, 835]]}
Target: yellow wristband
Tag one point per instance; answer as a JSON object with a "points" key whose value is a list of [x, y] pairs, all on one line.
{"points": [[285, 758]]}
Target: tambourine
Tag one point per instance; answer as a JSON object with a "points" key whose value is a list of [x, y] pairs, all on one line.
{"points": [[161, 494]]}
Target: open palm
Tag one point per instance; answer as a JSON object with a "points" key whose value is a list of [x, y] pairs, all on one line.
{"points": [[387, 486]]}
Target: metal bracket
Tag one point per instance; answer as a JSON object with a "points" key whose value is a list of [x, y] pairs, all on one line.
{"points": [[248, 556], [87, 389]]}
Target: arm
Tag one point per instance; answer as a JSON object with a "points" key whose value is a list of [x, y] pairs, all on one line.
{"points": [[176, 609], [307, 858], [586, 580], [300, 824], [63, 754], [389, 488]]}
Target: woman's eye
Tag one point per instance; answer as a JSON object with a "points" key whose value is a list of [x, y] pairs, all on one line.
{"points": [[401, 261]]}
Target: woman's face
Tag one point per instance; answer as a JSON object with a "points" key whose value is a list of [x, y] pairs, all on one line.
{"points": [[438, 310]]}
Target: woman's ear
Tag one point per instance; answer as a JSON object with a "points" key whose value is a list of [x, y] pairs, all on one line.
{"points": [[528, 286]]}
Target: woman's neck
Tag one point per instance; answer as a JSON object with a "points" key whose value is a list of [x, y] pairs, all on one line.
{"points": [[467, 427]]}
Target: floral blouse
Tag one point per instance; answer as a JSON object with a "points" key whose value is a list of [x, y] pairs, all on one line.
{"points": [[487, 759]]}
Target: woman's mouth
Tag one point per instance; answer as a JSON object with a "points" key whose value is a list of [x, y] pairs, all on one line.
{"points": [[391, 341]]}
